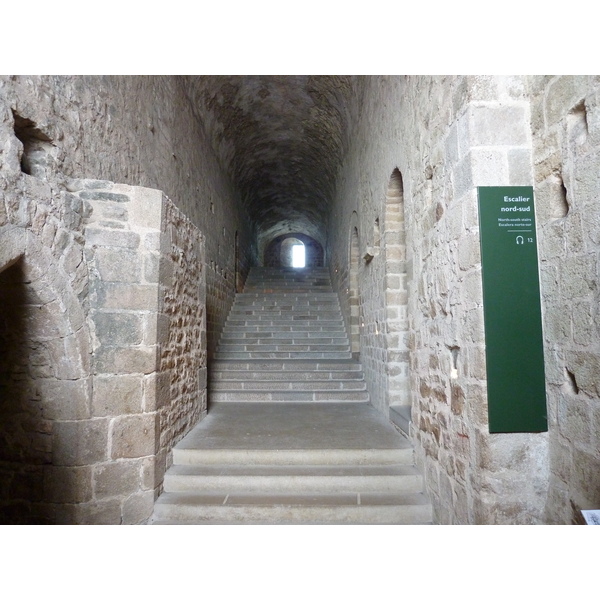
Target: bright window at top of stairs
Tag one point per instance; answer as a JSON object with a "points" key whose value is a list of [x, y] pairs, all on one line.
{"points": [[298, 256]]}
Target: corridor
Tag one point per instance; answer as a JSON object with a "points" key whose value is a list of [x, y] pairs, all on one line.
{"points": [[136, 209]]}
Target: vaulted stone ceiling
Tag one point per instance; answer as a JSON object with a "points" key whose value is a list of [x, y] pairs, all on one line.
{"points": [[282, 139]]}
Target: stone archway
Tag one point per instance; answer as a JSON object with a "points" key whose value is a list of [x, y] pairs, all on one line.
{"points": [[287, 251], [397, 326], [274, 256], [44, 376]]}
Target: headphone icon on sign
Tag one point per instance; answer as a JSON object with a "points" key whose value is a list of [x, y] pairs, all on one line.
{"points": [[520, 240]]}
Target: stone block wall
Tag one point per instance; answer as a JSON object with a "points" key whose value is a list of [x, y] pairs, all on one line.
{"points": [[475, 477], [182, 311], [140, 131], [106, 283], [147, 318], [103, 367], [565, 125], [45, 347], [463, 132]]}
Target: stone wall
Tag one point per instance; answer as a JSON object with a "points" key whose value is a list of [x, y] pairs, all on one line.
{"points": [[147, 316], [141, 131], [445, 136], [103, 365], [114, 295], [565, 124], [103, 362]]}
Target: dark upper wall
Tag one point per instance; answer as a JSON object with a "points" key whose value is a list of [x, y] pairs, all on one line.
{"points": [[135, 130], [142, 131]]}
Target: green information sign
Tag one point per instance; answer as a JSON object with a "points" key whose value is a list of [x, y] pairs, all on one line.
{"points": [[512, 311]]}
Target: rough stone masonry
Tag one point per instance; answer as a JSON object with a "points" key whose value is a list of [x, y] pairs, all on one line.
{"points": [[132, 208]]}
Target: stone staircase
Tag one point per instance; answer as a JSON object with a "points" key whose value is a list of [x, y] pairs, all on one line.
{"points": [[290, 436], [285, 340]]}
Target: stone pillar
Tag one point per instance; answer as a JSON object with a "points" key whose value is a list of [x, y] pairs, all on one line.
{"points": [[146, 295]]}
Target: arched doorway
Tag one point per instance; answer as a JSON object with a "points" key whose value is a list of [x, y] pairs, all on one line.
{"points": [[44, 381], [292, 253], [279, 251]]}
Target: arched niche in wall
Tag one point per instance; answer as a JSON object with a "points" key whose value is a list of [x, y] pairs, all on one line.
{"points": [[353, 289], [239, 285], [279, 251], [397, 324]]}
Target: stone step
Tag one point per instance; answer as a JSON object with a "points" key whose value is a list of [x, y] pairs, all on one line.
{"points": [[301, 456], [280, 322], [298, 326], [286, 280], [257, 276], [285, 298], [258, 375], [303, 298], [280, 344], [339, 508], [227, 342], [400, 415], [275, 336], [274, 286], [282, 307], [293, 315], [285, 479], [227, 385], [229, 346], [275, 273], [286, 283], [289, 396], [286, 366], [280, 355], [287, 305]]}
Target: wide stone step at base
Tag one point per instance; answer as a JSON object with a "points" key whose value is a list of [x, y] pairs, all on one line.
{"points": [[289, 479], [245, 452], [293, 464], [288, 509]]}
